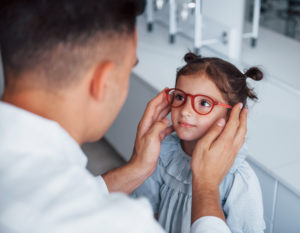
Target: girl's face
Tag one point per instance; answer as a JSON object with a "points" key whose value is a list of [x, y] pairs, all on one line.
{"points": [[188, 124]]}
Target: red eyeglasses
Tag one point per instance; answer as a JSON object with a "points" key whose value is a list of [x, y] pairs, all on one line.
{"points": [[201, 104]]}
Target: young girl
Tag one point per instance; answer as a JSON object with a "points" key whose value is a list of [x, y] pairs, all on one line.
{"points": [[205, 91]]}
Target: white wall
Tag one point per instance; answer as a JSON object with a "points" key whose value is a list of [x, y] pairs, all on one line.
{"points": [[121, 134], [231, 14]]}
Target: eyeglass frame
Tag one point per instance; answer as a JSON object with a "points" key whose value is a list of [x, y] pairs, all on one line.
{"points": [[215, 103]]}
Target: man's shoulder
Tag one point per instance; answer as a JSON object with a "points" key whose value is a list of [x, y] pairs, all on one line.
{"points": [[43, 181], [43, 190], [70, 198]]}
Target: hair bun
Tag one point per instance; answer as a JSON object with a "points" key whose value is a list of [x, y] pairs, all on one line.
{"points": [[191, 57], [254, 73]]}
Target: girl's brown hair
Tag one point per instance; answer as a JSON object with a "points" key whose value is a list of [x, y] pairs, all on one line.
{"points": [[230, 80]]}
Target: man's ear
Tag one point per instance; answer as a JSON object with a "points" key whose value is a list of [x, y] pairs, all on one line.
{"points": [[100, 79]]}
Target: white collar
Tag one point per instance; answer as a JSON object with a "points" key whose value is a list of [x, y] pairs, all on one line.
{"points": [[32, 134]]}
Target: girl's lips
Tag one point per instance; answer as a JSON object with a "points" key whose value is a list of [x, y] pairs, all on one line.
{"points": [[185, 124]]}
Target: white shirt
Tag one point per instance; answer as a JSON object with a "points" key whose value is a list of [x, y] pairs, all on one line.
{"points": [[45, 187]]}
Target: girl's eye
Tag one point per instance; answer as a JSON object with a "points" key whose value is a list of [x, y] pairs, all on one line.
{"points": [[179, 97], [205, 103]]}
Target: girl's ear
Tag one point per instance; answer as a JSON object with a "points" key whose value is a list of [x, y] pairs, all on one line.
{"points": [[100, 78]]}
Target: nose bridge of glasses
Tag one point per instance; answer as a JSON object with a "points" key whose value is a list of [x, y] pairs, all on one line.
{"points": [[187, 105]]}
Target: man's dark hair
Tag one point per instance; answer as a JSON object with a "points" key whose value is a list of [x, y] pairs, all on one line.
{"points": [[31, 29]]}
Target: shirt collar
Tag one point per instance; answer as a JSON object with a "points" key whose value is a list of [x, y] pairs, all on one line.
{"points": [[30, 133]]}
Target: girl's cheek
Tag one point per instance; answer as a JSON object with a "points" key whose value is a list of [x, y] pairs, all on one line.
{"points": [[205, 121]]}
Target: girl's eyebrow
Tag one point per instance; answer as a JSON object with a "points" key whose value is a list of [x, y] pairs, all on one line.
{"points": [[214, 98]]}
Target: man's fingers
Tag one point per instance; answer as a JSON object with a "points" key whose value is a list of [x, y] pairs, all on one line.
{"points": [[239, 138], [163, 113], [157, 103], [157, 128], [242, 130], [152, 112], [166, 132], [233, 123], [160, 107], [212, 133]]}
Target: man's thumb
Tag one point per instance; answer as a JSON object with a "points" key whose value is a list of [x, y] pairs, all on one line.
{"points": [[214, 131], [159, 126]]}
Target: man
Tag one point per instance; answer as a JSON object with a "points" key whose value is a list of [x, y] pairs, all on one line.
{"points": [[67, 65]]}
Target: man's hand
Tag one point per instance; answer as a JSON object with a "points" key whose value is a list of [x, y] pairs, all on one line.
{"points": [[212, 158], [152, 129]]}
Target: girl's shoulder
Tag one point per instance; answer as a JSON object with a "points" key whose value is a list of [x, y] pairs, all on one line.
{"points": [[241, 169], [240, 176], [240, 160]]}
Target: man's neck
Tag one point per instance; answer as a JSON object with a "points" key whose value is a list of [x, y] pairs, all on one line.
{"points": [[47, 104]]}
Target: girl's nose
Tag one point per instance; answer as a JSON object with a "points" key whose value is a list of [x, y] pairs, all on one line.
{"points": [[187, 109]]}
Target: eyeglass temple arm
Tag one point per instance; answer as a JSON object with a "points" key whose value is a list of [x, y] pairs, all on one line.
{"points": [[223, 105]]}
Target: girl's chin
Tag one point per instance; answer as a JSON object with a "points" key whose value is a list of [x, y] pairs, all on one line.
{"points": [[188, 136]]}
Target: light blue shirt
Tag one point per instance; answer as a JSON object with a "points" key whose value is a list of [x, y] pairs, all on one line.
{"points": [[169, 190]]}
